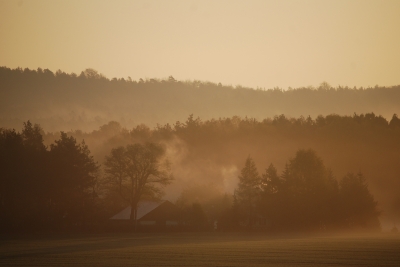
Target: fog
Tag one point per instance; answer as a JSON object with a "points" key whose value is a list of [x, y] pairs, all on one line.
{"points": [[207, 156], [63, 102]]}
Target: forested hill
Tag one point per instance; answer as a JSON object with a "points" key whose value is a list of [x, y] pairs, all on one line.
{"points": [[61, 101]]}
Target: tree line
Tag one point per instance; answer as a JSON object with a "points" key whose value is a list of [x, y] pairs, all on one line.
{"points": [[62, 186], [304, 197], [46, 97], [45, 188]]}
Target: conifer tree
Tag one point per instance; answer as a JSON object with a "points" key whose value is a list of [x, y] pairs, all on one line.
{"points": [[249, 189]]}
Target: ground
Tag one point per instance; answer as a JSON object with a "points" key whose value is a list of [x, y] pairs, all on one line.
{"points": [[200, 249]]}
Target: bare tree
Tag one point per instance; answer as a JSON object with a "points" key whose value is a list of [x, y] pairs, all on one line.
{"points": [[137, 170]]}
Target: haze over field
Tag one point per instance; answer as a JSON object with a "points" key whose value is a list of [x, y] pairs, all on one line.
{"points": [[222, 89]]}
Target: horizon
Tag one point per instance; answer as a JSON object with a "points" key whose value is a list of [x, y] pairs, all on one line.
{"points": [[324, 84]]}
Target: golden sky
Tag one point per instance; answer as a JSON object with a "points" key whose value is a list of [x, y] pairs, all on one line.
{"points": [[257, 43]]}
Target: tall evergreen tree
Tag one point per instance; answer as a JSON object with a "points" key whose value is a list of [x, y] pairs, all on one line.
{"points": [[358, 206], [249, 188], [308, 188], [74, 176], [270, 180]]}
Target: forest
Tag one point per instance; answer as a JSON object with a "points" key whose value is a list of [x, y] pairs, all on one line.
{"points": [[309, 158], [60, 101], [336, 172]]}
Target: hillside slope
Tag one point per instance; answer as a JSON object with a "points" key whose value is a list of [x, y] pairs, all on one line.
{"points": [[60, 101]]}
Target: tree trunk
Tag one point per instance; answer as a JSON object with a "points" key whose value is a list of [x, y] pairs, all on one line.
{"points": [[133, 216]]}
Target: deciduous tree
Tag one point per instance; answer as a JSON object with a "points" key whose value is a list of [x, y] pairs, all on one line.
{"points": [[136, 171]]}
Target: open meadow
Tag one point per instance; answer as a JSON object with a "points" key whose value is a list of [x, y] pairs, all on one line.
{"points": [[200, 249]]}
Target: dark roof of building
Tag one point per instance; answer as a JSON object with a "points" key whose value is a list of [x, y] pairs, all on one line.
{"points": [[150, 210]]}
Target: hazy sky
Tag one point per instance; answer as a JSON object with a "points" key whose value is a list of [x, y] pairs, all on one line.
{"points": [[252, 43]]}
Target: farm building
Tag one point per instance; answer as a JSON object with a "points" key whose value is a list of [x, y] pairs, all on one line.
{"points": [[151, 215]]}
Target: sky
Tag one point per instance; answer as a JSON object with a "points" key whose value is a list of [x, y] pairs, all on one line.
{"points": [[253, 43]]}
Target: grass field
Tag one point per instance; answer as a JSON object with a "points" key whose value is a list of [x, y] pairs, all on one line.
{"points": [[200, 249]]}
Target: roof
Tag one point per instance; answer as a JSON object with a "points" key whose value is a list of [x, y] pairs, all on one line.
{"points": [[144, 207]]}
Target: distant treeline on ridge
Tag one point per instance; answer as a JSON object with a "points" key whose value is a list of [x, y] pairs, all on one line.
{"points": [[61, 101]]}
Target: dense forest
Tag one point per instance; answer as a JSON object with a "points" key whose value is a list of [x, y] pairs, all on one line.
{"points": [[61, 101], [52, 177]]}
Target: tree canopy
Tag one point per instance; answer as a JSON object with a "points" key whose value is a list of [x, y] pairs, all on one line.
{"points": [[45, 189], [305, 196], [136, 172], [58, 186], [46, 97]]}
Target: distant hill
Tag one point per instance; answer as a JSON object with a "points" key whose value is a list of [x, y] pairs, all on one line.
{"points": [[61, 101]]}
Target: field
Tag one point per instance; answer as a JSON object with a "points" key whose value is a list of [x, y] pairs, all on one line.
{"points": [[200, 249]]}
